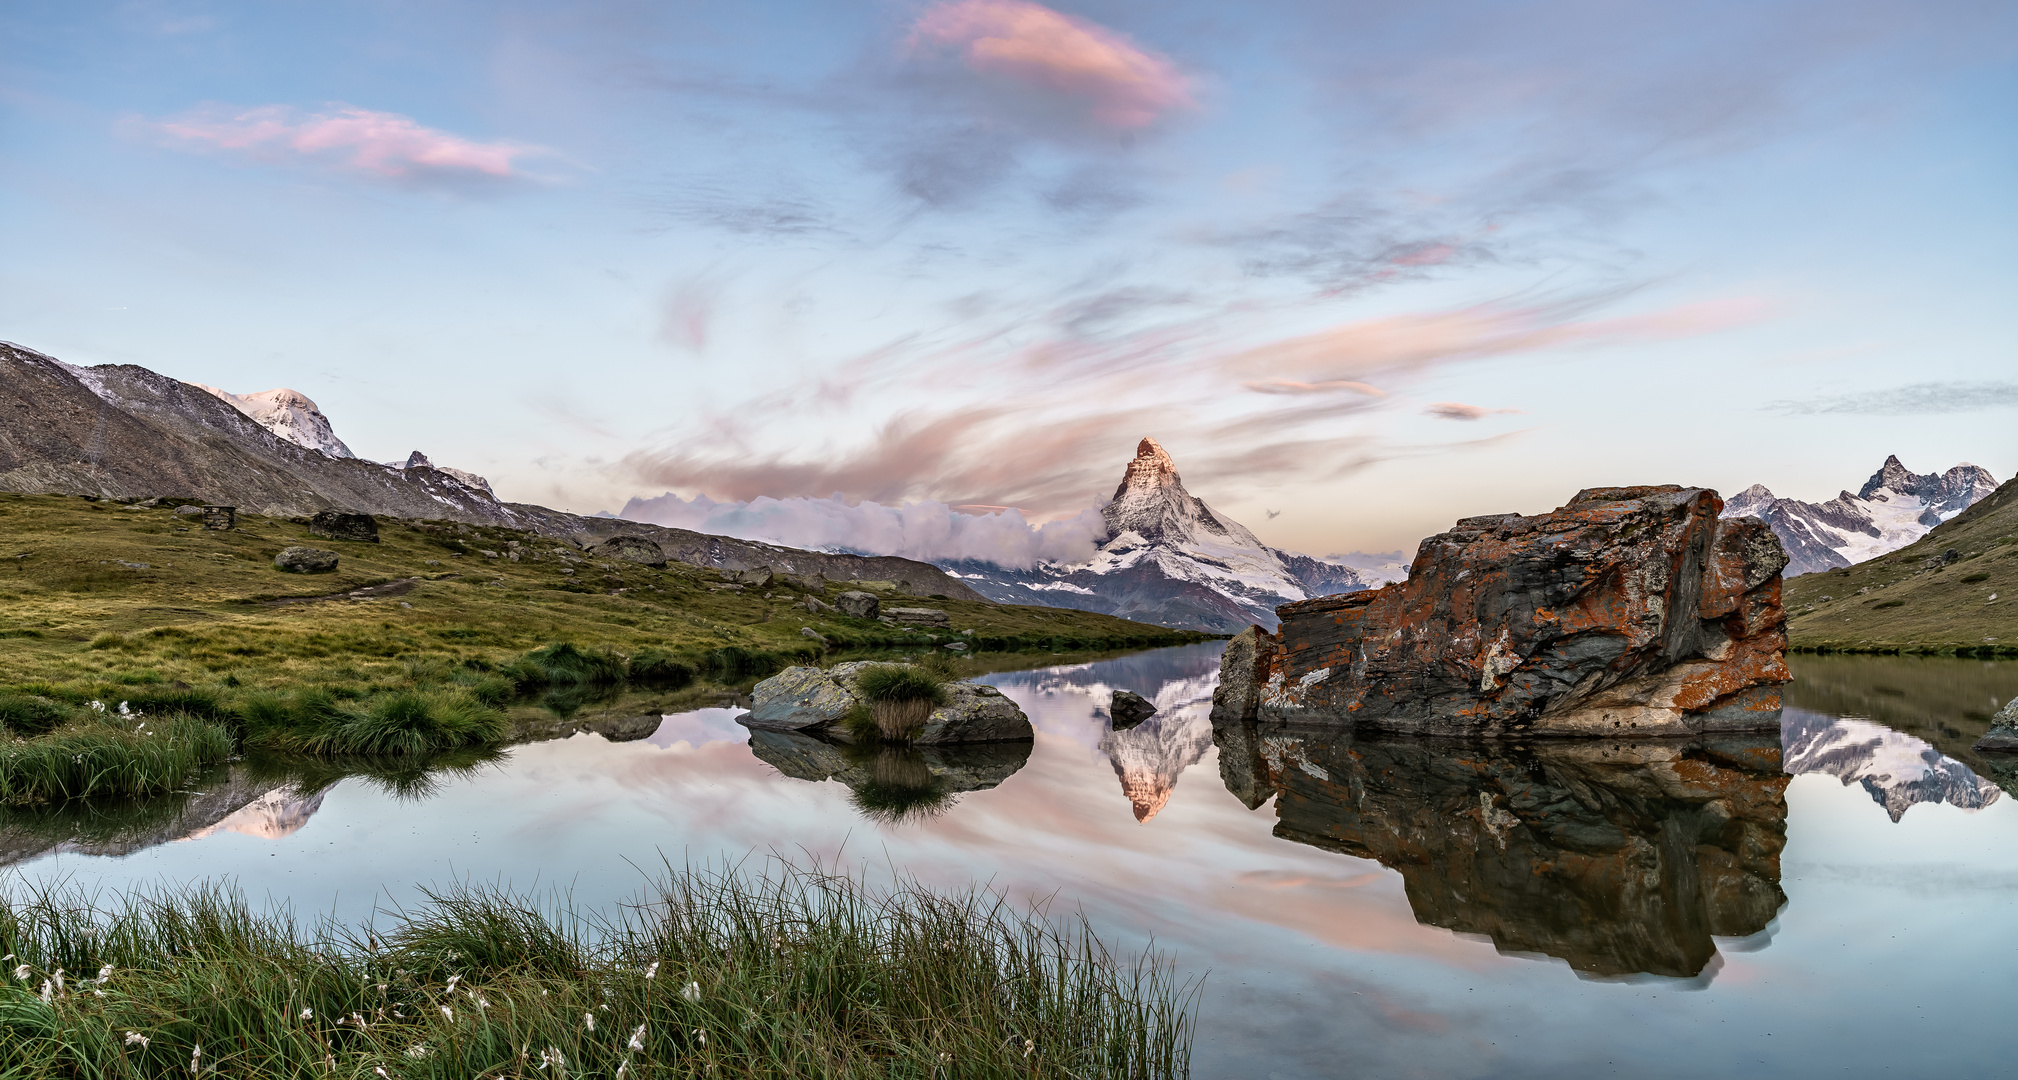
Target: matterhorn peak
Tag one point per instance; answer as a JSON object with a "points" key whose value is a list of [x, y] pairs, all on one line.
{"points": [[1152, 470]]}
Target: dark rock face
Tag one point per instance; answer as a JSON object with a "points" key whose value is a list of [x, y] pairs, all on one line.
{"points": [[636, 549], [344, 525], [221, 518], [1129, 709], [1619, 857], [861, 605], [1630, 611], [1243, 673], [305, 560]]}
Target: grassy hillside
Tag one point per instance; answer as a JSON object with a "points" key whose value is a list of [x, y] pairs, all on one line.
{"points": [[1918, 599], [99, 594]]}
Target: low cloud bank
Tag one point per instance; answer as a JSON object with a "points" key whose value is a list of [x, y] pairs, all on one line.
{"points": [[927, 531]]}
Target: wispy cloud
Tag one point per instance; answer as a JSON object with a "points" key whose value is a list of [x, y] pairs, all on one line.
{"points": [[1916, 399], [378, 144], [1028, 48], [1457, 410]]}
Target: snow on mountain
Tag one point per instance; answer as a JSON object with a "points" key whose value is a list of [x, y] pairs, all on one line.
{"points": [[287, 413], [1168, 558], [1895, 507], [1897, 769], [418, 460]]}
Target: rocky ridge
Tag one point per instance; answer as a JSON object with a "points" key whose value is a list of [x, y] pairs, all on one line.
{"points": [[1893, 508]]}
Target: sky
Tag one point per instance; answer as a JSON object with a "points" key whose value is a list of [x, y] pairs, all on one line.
{"points": [[1361, 268]]}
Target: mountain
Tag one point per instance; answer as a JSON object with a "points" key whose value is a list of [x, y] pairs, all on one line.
{"points": [[287, 413], [1149, 757], [1896, 769], [1895, 507], [1169, 559], [1952, 590], [119, 431]]}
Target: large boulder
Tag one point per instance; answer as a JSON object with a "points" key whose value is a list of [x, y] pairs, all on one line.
{"points": [[305, 560], [919, 616], [2003, 733], [1630, 611], [861, 605], [344, 525], [1243, 672], [807, 699], [636, 549]]}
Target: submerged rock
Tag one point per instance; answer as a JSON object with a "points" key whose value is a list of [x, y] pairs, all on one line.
{"points": [[1630, 611], [2003, 733], [807, 699], [1129, 709], [305, 560]]}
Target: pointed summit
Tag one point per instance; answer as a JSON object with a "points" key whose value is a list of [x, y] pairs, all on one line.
{"points": [[1151, 503], [1151, 470]]}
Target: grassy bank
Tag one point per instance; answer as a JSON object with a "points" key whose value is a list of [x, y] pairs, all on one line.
{"points": [[1918, 599], [104, 599], [715, 975]]}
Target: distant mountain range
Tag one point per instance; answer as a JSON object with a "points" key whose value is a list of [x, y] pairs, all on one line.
{"points": [[1168, 559], [119, 431], [1895, 507]]}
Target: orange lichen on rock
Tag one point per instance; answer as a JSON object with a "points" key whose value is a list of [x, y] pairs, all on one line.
{"points": [[1628, 611]]}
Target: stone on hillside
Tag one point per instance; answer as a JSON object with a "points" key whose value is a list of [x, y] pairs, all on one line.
{"points": [[818, 606], [919, 616], [220, 518], [812, 583], [1129, 709], [2003, 733], [1629, 611], [760, 576], [344, 525], [813, 635], [305, 560], [634, 549], [188, 511], [860, 604]]}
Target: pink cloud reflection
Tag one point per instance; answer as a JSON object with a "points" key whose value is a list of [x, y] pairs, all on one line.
{"points": [[1124, 87], [380, 143]]}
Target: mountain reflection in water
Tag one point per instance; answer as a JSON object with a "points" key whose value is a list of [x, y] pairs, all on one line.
{"points": [[1621, 858]]}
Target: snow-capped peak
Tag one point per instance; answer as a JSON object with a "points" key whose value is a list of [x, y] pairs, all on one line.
{"points": [[289, 414], [418, 460], [1895, 507], [1151, 503]]}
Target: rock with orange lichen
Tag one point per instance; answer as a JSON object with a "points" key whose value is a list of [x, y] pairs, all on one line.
{"points": [[1628, 611]]}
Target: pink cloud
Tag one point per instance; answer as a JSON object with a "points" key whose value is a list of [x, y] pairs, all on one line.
{"points": [[1291, 386], [379, 143], [1121, 85], [1457, 410]]}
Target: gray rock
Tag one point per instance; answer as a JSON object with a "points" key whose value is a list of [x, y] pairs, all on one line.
{"points": [[220, 518], [976, 713], [634, 549], [1243, 672], [860, 604], [797, 699], [2003, 733], [305, 560], [188, 511], [807, 699], [761, 577], [952, 769], [344, 525], [625, 728], [818, 606], [957, 646], [812, 583], [919, 616], [813, 635], [1129, 709]]}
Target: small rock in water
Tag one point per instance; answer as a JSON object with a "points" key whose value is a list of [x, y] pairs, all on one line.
{"points": [[305, 560], [1129, 709]]}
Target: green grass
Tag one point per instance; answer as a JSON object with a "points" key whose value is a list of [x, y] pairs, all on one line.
{"points": [[110, 757], [711, 975], [899, 699], [399, 723]]}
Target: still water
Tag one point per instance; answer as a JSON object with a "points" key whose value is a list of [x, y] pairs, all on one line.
{"points": [[1842, 901]]}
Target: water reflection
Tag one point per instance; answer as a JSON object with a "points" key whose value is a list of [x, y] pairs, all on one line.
{"points": [[1897, 769], [1943, 704], [1621, 858], [893, 783]]}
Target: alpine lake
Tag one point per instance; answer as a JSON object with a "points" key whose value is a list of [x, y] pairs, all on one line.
{"points": [[1841, 901]]}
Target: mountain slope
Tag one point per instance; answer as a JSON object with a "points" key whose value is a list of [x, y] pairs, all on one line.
{"points": [[1168, 559], [1895, 507], [124, 432], [287, 413], [1954, 589]]}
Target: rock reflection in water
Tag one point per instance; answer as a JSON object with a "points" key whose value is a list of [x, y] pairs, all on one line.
{"points": [[1621, 858], [1149, 757], [1897, 769], [893, 783]]}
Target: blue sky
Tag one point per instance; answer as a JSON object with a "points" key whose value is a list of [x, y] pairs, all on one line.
{"points": [[1370, 266]]}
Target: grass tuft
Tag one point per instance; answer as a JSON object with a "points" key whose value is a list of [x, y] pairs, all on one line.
{"points": [[111, 756], [900, 698], [656, 667]]}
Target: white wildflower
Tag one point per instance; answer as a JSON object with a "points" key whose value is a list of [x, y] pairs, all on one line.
{"points": [[553, 1057], [652, 969], [59, 981], [134, 1038], [623, 1068], [418, 1051], [692, 992], [1028, 1046], [195, 1053], [702, 1035], [638, 1038], [105, 973], [97, 706], [308, 1014], [448, 1014], [123, 710], [380, 1070], [22, 972], [452, 980], [589, 1021], [45, 991]]}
